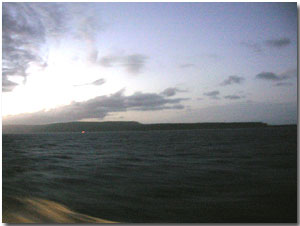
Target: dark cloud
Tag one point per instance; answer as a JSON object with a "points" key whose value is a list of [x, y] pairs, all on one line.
{"points": [[233, 97], [24, 30], [278, 43], [186, 65], [108, 61], [99, 107], [284, 84], [273, 43], [256, 47], [98, 82], [272, 76], [133, 63], [212, 94], [233, 79], [151, 101], [171, 91], [7, 85], [27, 28]]}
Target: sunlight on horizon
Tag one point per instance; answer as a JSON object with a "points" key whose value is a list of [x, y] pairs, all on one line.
{"points": [[60, 83]]}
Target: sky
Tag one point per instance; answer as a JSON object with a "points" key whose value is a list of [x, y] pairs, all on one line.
{"points": [[149, 62]]}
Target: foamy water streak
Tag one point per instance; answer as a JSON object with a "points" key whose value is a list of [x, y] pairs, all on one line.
{"points": [[36, 210]]}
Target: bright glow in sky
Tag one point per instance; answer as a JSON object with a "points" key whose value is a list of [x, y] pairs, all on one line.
{"points": [[149, 62]]}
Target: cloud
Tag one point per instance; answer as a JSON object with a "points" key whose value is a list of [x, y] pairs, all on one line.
{"points": [[256, 47], [233, 97], [98, 107], [108, 61], [278, 43], [212, 94], [272, 76], [87, 27], [93, 56], [133, 63], [98, 82], [246, 111], [171, 91], [233, 79], [151, 101], [7, 85], [186, 65], [284, 84], [24, 30], [27, 29], [292, 73]]}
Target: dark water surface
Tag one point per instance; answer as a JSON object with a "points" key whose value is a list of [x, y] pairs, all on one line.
{"points": [[227, 175]]}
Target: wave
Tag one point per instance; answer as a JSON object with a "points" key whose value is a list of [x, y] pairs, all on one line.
{"points": [[36, 210]]}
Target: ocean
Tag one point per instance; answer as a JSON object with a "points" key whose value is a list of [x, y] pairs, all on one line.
{"points": [[177, 176]]}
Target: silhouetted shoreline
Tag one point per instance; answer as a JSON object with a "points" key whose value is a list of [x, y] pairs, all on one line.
{"points": [[126, 126]]}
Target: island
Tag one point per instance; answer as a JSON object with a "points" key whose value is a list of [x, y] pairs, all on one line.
{"points": [[124, 126]]}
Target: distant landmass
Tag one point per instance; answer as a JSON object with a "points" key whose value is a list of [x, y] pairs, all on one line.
{"points": [[123, 126]]}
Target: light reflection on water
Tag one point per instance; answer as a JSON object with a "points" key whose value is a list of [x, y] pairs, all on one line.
{"points": [[34, 210]]}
